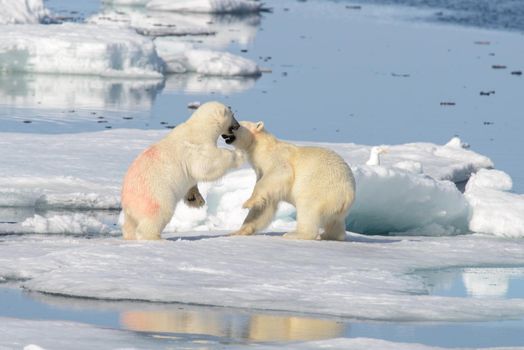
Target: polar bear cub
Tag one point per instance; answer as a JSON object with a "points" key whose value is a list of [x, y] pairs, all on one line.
{"points": [[169, 170], [317, 181]]}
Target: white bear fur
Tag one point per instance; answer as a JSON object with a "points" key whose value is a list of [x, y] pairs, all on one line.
{"points": [[317, 181], [169, 170]]}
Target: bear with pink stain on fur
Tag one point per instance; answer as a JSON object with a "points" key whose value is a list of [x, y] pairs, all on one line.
{"points": [[169, 170]]}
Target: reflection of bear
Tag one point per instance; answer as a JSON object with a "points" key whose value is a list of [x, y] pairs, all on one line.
{"points": [[169, 170], [316, 180], [256, 327]]}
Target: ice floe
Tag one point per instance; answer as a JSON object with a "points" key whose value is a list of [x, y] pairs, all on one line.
{"points": [[22, 11], [84, 171], [183, 58], [366, 278], [206, 6], [73, 48], [493, 208]]}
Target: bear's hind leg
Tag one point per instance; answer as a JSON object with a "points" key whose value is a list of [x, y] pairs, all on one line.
{"points": [[150, 229], [129, 227], [335, 230], [308, 223]]}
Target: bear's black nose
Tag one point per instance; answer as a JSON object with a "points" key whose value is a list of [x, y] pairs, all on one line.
{"points": [[234, 126], [229, 138]]}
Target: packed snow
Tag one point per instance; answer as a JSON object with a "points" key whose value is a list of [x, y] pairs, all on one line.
{"points": [[22, 11], [81, 171], [110, 52], [183, 58], [206, 6], [73, 48], [495, 209], [365, 278]]}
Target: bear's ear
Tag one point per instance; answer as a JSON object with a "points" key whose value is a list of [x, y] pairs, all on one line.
{"points": [[260, 126]]}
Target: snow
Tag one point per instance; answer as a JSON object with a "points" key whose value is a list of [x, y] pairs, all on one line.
{"points": [[494, 209], [84, 171], [22, 11], [78, 49], [206, 6], [371, 278], [182, 58], [77, 223], [393, 200]]}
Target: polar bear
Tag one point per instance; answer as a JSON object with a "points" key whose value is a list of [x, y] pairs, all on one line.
{"points": [[317, 181], [170, 169]]}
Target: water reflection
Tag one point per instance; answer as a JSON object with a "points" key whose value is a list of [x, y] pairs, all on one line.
{"points": [[232, 324], [474, 282], [64, 91], [199, 84], [252, 327], [489, 283]]}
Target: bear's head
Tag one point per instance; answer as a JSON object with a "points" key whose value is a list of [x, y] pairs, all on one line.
{"points": [[217, 118], [246, 134]]}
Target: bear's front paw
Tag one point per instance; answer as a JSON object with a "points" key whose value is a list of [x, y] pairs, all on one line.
{"points": [[194, 200], [244, 231], [254, 202]]}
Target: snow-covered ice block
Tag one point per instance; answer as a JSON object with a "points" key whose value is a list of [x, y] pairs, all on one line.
{"points": [[206, 6], [494, 210], [181, 58], [76, 223], [22, 11], [368, 277], [441, 162], [80, 171], [78, 49], [394, 200]]}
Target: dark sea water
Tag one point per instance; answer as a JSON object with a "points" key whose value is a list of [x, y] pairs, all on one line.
{"points": [[494, 14]]}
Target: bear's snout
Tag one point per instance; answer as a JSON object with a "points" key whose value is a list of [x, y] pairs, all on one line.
{"points": [[229, 138], [234, 126]]}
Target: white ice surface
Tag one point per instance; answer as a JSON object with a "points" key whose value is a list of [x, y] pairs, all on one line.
{"points": [[366, 278], [84, 171], [78, 49], [181, 58], [493, 208], [206, 6], [22, 11]]}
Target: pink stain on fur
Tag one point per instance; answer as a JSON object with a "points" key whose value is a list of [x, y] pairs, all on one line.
{"points": [[136, 194]]}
